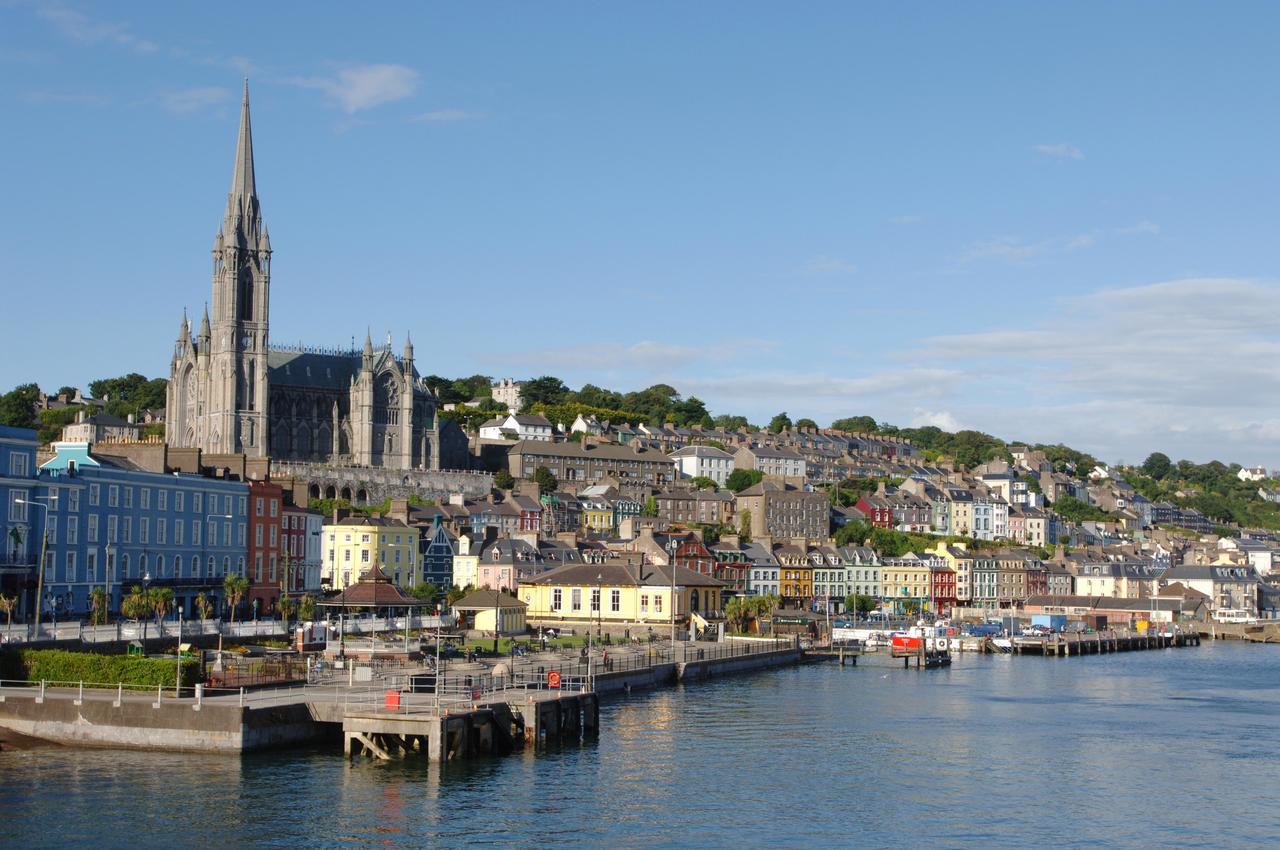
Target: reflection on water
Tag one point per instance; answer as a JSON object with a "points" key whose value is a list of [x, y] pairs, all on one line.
{"points": [[1150, 749]]}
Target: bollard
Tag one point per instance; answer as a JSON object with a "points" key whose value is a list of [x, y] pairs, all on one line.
{"points": [[159, 693], [80, 698], [242, 696], [41, 690], [199, 694], [119, 694]]}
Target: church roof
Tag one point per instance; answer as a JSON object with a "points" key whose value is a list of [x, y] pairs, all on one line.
{"points": [[311, 370]]}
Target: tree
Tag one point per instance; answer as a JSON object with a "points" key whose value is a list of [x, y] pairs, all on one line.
{"points": [[137, 606], [544, 390], [455, 593], [18, 406], [1157, 465], [234, 587], [741, 479], [806, 423], [691, 411], [97, 606], [727, 422], [503, 480], [744, 526], [853, 533], [307, 607], [204, 608], [650, 508], [286, 607], [780, 423], [425, 591], [702, 482], [130, 393], [546, 482], [7, 604], [161, 600], [856, 425], [15, 538]]}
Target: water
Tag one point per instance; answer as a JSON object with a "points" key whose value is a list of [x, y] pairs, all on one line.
{"points": [[1174, 748]]}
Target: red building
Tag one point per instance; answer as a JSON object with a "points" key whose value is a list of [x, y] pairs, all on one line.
{"points": [[942, 590], [266, 516], [877, 509], [293, 550]]}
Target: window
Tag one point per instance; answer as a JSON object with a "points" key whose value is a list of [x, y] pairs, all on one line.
{"points": [[162, 531], [126, 566], [273, 568], [94, 494], [575, 597], [257, 506], [73, 530], [113, 496], [51, 528], [657, 604], [275, 507], [240, 534], [364, 556], [226, 534], [128, 497], [644, 603], [178, 526], [18, 465], [557, 599], [274, 538], [179, 501], [17, 509], [244, 505], [162, 500], [257, 535], [346, 554], [73, 496], [144, 530], [615, 601], [257, 568], [71, 567], [197, 500], [91, 566]]}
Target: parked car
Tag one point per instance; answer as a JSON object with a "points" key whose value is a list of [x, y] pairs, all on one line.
{"points": [[1038, 631]]}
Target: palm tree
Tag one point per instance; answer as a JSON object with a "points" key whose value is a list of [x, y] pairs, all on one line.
{"points": [[235, 586], [286, 607], [161, 600], [8, 603], [136, 606], [98, 606], [307, 607], [204, 608]]}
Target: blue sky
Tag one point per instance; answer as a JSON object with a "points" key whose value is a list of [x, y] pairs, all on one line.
{"points": [[1049, 223]]}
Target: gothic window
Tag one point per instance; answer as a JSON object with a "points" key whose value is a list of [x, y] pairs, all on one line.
{"points": [[386, 400], [302, 441]]}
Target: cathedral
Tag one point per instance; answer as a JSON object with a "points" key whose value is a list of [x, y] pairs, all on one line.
{"points": [[232, 392]]}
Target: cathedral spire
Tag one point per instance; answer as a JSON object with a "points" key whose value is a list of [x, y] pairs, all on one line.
{"points": [[205, 332], [243, 218], [368, 343], [184, 329], [408, 347]]}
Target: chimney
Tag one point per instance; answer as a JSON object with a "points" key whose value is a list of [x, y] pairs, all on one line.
{"points": [[568, 538], [457, 499], [490, 534], [130, 419]]}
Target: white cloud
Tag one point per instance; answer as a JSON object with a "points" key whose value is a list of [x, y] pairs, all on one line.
{"points": [[823, 265], [1010, 249], [1059, 151], [448, 116], [188, 101], [1084, 240], [80, 27], [1186, 365], [937, 418], [361, 87], [1142, 228], [906, 219]]}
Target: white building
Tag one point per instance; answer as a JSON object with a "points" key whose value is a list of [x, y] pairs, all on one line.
{"points": [[517, 427], [1252, 473], [775, 462], [703, 462], [507, 391]]}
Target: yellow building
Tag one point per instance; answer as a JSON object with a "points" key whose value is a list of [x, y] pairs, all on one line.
{"points": [[597, 517], [618, 593], [795, 574], [907, 582], [355, 544], [479, 610]]}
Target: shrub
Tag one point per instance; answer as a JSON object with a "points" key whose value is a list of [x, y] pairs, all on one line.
{"points": [[59, 665]]}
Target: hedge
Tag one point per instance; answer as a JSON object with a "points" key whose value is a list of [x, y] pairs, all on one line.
{"points": [[59, 665]]}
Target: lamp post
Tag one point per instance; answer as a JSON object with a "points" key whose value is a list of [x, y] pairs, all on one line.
{"points": [[600, 607], [146, 583], [44, 543], [672, 548]]}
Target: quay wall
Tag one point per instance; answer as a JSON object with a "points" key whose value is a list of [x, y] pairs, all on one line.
{"points": [[138, 723]]}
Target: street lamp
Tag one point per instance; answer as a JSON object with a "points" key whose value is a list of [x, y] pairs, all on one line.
{"points": [[44, 543], [672, 548], [146, 583], [600, 605]]}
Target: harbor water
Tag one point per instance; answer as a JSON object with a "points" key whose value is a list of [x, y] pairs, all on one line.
{"points": [[1169, 748]]}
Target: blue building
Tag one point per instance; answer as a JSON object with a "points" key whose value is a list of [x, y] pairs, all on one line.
{"points": [[23, 521], [439, 547], [112, 525]]}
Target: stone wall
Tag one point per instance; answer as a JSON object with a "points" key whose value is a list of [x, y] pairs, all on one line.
{"points": [[322, 481]]}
